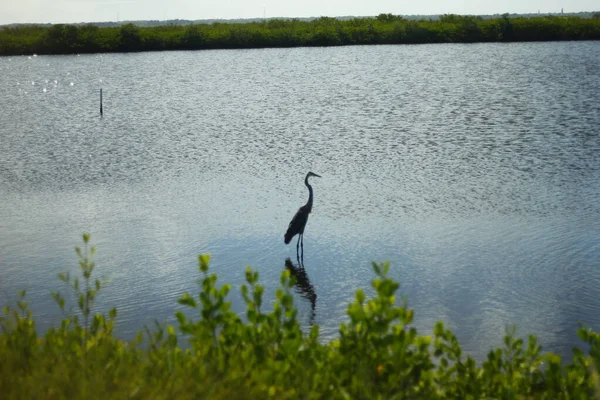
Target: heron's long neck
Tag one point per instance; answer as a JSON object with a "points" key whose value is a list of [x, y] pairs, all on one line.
{"points": [[310, 194]]}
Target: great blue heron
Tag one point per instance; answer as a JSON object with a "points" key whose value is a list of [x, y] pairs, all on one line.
{"points": [[298, 223]]}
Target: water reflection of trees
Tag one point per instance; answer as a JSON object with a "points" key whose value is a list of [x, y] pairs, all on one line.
{"points": [[303, 286]]}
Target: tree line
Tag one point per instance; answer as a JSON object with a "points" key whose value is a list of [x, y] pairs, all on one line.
{"points": [[325, 31]]}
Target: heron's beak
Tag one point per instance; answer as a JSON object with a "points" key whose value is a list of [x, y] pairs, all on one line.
{"points": [[318, 176]]}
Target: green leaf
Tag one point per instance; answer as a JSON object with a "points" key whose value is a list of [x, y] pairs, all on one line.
{"points": [[314, 333], [181, 318], [360, 296], [386, 268], [376, 268], [285, 276], [438, 330], [249, 275], [553, 359], [204, 261], [187, 300]]}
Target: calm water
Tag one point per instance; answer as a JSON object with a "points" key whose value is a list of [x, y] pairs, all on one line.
{"points": [[474, 169]]}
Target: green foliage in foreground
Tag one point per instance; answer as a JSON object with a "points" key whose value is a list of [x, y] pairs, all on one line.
{"points": [[325, 31], [266, 354]]}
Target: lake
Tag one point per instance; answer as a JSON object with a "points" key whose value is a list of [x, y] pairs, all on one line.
{"points": [[474, 169]]}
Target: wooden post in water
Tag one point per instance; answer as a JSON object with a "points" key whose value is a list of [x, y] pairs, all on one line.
{"points": [[101, 113]]}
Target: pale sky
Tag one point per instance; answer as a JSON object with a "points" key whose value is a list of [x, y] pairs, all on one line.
{"points": [[66, 11]]}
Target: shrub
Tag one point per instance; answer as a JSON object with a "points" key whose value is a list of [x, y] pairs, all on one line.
{"points": [[323, 31], [266, 354]]}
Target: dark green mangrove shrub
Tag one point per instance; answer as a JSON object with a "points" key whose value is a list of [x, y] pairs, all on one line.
{"points": [[266, 353], [324, 31]]}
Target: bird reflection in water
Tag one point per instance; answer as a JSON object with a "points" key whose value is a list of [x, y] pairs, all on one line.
{"points": [[303, 286]]}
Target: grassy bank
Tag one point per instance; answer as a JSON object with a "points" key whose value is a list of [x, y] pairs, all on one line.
{"points": [[265, 354], [383, 29]]}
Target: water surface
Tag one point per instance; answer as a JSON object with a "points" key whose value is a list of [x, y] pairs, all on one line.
{"points": [[474, 169]]}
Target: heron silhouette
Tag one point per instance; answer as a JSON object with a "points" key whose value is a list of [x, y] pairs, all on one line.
{"points": [[299, 221]]}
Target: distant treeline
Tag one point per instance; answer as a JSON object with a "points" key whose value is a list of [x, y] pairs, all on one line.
{"points": [[324, 31], [157, 22]]}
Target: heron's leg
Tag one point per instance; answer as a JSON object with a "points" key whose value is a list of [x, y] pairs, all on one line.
{"points": [[302, 247], [297, 246]]}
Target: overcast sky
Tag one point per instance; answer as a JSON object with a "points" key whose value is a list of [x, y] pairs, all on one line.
{"points": [[65, 11]]}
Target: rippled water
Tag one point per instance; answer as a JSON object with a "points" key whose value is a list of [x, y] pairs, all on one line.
{"points": [[474, 169]]}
